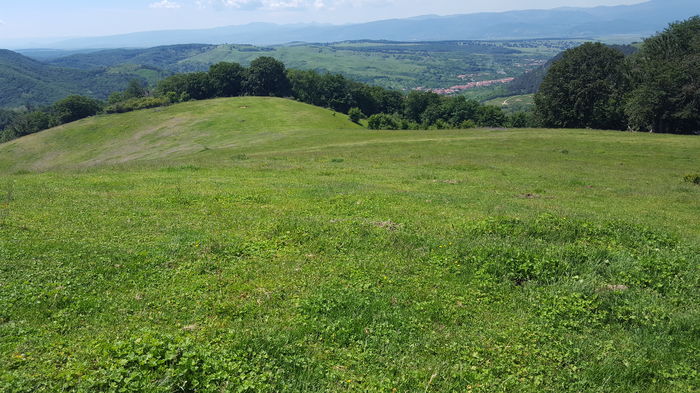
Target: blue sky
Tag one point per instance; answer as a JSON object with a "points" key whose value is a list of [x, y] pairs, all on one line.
{"points": [[70, 18]]}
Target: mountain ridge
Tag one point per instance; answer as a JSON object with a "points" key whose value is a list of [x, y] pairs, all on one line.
{"points": [[27, 82], [568, 22]]}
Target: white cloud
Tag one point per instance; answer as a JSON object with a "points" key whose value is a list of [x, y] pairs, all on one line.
{"points": [[2, 22], [167, 4]]}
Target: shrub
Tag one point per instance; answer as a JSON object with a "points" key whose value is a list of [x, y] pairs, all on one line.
{"points": [[382, 121], [356, 115], [693, 179], [467, 124]]}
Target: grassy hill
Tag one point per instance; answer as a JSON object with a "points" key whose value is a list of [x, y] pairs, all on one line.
{"points": [[28, 82], [199, 129], [263, 245]]}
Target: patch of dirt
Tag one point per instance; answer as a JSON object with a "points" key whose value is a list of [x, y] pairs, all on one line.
{"points": [[449, 181], [534, 196], [616, 288], [388, 225]]}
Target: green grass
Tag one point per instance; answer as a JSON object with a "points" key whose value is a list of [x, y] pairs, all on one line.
{"points": [[299, 253]]}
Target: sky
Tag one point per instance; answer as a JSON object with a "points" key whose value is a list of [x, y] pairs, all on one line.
{"points": [[87, 18]]}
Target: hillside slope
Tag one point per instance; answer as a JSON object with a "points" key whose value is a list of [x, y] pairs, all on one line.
{"points": [[163, 57], [28, 82], [262, 245], [174, 132]]}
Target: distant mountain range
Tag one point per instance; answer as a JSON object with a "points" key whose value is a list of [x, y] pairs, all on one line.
{"points": [[627, 20]]}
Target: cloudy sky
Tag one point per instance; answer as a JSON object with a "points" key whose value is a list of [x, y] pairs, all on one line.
{"points": [[70, 18]]}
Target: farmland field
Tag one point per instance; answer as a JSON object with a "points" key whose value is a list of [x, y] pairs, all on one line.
{"points": [[396, 65], [263, 245]]}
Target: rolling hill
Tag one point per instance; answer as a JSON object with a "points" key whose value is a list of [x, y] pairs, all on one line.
{"points": [[28, 82], [636, 20], [184, 130], [262, 245]]}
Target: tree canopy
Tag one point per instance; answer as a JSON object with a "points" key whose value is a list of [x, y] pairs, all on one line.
{"points": [[656, 89], [666, 79], [267, 77], [584, 89]]}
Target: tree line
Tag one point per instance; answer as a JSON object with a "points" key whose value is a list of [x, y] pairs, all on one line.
{"points": [[656, 89]]}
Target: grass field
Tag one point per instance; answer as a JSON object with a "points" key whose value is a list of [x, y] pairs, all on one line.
{"points": [[262, 245]]}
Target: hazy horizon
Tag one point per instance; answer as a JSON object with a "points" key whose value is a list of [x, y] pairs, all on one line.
{"points": [[81, 18]]}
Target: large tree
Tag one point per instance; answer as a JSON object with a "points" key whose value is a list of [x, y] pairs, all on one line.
{"points": [[267, 77], [666, 78], [584, 89], [196, 86], [227, 79]]}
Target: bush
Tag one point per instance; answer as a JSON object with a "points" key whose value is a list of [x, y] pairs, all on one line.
{"points": [[382, 121], [467, 124], [356, 115], [693, 179], [521, 120]]}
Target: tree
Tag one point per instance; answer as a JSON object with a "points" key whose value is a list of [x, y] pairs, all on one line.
{"points": [[382, 121], [417, 102], [136, 89], [585, 88], [7, 117], [356, 115], [374, 99], [195, 86], [227, 79], [490, 116], [27, 123], [462, 109], [666, 78], [267, 77], [521, 120], [75, 108], [327, 90]]}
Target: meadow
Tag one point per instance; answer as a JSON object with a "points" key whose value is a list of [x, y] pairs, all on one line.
{"points": [[263, 245]]}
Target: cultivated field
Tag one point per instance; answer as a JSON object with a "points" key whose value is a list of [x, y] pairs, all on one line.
{"points": [[262, 245]]}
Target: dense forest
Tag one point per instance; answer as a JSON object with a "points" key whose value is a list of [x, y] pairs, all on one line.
{"points": [[29, 83]]}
